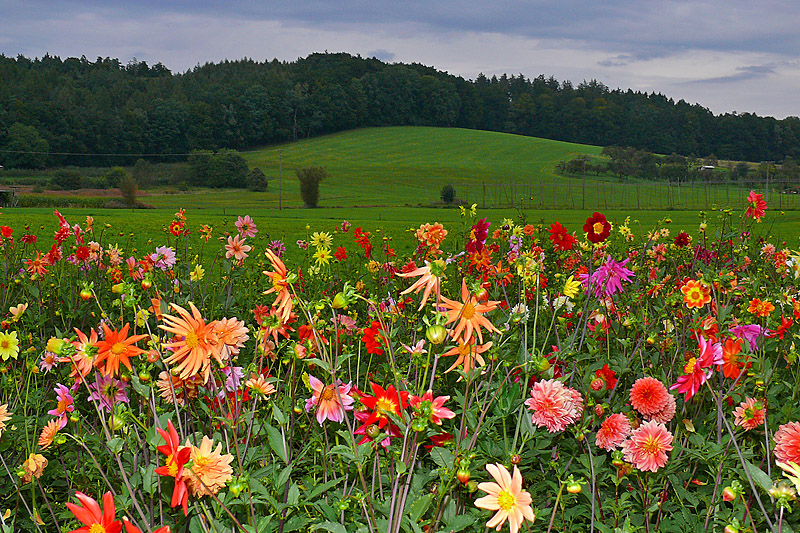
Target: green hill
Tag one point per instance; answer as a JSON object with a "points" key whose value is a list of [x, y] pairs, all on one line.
{"points": [[409, 165]]}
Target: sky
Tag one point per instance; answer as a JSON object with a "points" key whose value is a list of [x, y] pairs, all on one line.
{"points": [[726, 55]]}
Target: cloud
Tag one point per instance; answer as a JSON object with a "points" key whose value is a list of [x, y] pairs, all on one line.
{"points": [[751, 72], [383, 55]]}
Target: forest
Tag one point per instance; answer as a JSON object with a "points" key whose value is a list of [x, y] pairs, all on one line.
{"points": [[74, 111]]}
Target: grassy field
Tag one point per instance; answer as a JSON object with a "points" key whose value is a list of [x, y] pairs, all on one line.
{"points": [[146, 229], [388, 179], [409, 165]]}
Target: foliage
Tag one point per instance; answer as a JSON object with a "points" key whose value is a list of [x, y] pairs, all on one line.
{"points": [[128, 188], [221, 169], [310, 179], [448, 194], [68, 179], [24, 147], [256, 180]]}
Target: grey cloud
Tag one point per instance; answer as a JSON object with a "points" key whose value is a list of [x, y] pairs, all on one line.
{"points": [[751, 72], [383, 55]]}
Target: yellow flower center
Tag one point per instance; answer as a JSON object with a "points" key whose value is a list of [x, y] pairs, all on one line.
{"points": [[62, 406], [97, 528], [506, 500], [465, 349], [172, 466], [598, 227], [468, 311], [326, 395], [651, 446], [192, 340], [5, 344], [695, 295], [201, 461], [385, 406], [689, 368], [118, 348]]}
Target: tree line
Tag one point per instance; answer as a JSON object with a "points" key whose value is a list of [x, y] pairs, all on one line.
{"points": [[626, 163], [52, 109]]}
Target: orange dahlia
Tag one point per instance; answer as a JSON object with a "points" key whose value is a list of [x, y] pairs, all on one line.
{"points": [[280, 286], [696, 294], [760, 308], [613, 432], [469, 314], [5, 416], [115, 348], [469, 353], [81, 363], [649, 396], [210, 470], [198, 342], [429, 280], [49, 432]]}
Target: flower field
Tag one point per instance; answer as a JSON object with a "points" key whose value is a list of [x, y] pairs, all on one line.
{"points": [[524, 377]]}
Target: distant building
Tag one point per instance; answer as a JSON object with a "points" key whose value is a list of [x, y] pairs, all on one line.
{"points": [[9, 197]]}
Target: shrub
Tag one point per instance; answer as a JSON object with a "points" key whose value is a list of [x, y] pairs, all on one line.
{"points": [[66, 179], [309, 184], [256, 180], [226, 168], [128, 188], [115, 177], [448, 194]]}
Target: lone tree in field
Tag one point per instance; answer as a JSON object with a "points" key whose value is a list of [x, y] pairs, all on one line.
{"points": [[128, 187], [448, 194], [309, 184]]}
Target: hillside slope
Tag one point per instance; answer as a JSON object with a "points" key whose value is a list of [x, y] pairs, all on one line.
{"points": [[409, 165]]}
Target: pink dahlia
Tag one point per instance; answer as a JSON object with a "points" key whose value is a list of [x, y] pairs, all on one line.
{"points": [[246, 226], [554, 406], [613, 432], [699, 369], [326, 400], [750, 414], [787, 443], [648, 446], [649, 396]]}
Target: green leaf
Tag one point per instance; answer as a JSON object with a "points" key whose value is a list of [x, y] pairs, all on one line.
{"points": [[283, 477], [419, 507], [320, 363], [115, 445], [320, 488], [459, 522], [681, 491], [333, 527], [294, 495], [759, 476], [277, 443], [280, 418], [443, 457]]}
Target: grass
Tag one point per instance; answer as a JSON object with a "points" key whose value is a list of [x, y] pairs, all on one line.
{"points": [[409, 165], [387, 178], [144, 230]]}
